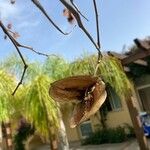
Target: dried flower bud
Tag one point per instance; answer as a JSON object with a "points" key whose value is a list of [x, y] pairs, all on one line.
{"points": [[16, 35], [9, 26], [12, 1], [69, 15]]}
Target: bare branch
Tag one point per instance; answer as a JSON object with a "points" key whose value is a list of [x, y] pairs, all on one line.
{"points": [[97, 23], [20, 54], [78, 10], [80, 24], [30, 48], [16, 44], [98, 36], [38, 5], [20, 82], [37, 52]]}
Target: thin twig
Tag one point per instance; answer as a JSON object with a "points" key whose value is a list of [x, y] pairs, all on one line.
{"points": [[98, 37], [20, 82], [38, 5], [78, 10], [20, 54], [37, 52], [30, 48], [97, 24]]}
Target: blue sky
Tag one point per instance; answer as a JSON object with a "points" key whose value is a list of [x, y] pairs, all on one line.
{"points": [[120, 22]]}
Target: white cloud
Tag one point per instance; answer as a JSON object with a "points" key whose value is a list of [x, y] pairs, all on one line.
{"points": [[17, 14], [7, 10]]}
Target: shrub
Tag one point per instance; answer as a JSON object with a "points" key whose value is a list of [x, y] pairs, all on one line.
{"points": [[116, 135], [130, 131], [110, 135]]}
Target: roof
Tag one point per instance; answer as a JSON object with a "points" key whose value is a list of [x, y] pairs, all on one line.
{"points": [[138, 57]]}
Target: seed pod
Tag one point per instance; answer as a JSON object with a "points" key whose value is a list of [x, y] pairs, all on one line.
{"points": [[71, 88], [87, 91], [90, 105]]}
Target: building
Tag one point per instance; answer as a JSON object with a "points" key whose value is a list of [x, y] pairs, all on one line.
{"points": [[118, 112]]}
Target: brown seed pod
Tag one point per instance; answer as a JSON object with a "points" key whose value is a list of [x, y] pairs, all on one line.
{"points": [[88, 91], [90, 105], [71, 88]]}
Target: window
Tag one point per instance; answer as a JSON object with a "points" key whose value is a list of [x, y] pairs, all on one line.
{"points": [[144, 94], [113, 100], [86, 129]]}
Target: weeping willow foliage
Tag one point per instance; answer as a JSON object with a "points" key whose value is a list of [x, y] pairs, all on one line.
{"points": [[40, 109], [7, 86], [56, 68], [110, 70], [19, 101], [13, 64], [80, 67]]}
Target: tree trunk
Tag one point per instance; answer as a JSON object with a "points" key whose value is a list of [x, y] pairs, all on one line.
{"points": [[143, 144], [1, 138], [53, 140], [64, 144], [8, 132], [52, 136], [51, 132]]}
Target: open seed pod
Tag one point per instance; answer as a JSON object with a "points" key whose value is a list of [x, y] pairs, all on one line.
{"points": [[88, 91], [71, 88]]}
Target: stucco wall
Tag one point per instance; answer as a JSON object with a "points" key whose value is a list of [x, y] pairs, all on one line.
{"points": [[114, 119]]}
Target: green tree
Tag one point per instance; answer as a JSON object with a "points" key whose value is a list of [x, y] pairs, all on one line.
{"points": [[41, 110], [33, 97], [54, 68], [58, 68], [7, 83], [24, 96]]}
